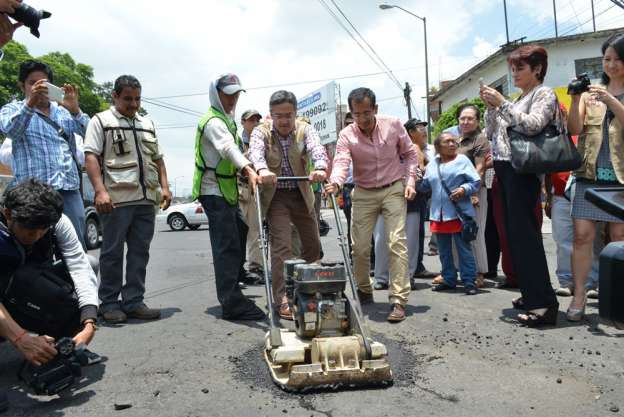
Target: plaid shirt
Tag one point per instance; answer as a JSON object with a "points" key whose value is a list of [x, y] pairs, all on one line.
{"points": [[313, 147], [38, 150]]}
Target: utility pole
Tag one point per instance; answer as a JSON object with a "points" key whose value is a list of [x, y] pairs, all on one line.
{"points": [[506, 23], [593, 15], [555, 13], [407, 91]]}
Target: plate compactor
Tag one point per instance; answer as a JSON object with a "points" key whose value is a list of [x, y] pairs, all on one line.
{"points": [[331, 345]]}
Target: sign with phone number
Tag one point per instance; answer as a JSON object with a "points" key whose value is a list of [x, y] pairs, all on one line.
{"points": [[320, 107]]}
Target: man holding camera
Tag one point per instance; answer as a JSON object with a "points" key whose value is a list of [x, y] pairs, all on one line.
{"points": [[47, 285], [43, 138], [282, 147], [126, 167]]}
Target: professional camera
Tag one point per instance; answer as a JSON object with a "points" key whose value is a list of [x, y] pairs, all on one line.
{"points": [[30, 17], [579, 85], [58, 374]]}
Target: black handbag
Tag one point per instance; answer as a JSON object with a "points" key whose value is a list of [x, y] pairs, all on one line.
{"points": [[551, 150], [470, 228]]}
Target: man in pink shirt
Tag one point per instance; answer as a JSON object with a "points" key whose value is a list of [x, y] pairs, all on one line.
{"points": [[385, 171]]}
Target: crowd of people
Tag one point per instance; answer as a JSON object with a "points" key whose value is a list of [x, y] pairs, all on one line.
{"points": [[391, 182]]}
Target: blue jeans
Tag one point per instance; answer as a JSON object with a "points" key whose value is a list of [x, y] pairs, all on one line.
{"points": [[73, 208], [467, 264]]}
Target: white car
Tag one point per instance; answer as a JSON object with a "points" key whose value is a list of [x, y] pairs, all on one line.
{"points": [[181, 216]]}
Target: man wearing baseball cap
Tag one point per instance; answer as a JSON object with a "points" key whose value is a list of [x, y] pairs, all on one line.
{"points": [[218, 159], [249, 120]]}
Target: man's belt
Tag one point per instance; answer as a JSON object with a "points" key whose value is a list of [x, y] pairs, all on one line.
{"points": [[390, 184]]}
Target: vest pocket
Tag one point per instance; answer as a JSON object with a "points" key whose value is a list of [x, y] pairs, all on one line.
{"points": [[151, 175], [122, 175], [150, 145], [273, 158]]}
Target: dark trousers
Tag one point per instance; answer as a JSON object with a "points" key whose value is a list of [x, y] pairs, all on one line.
{"points": [[519, 195], [422, 210], [228, 238], [492, 242]]}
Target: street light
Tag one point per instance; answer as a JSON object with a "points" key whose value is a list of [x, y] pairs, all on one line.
{"points": [[424, 20], [175, 185]]}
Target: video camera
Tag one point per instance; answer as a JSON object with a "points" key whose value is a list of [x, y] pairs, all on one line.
{"points": [[58, 374], [30, 17], [579, 85]]}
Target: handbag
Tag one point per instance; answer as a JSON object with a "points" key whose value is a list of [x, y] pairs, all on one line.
{"points": [[470, 228], [551, 150]]}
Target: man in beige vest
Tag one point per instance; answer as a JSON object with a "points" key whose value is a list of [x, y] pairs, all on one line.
{"points": [[126, 167], [281, 147]]}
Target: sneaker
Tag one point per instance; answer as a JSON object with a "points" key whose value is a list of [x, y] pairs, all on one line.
{"points": [[251, 278], [397, 313], [144, 313], [365, 297], [114, 316], [4, 402], [593, 294], [564, 291], [252, 313], [470, 291], [381, 286]]}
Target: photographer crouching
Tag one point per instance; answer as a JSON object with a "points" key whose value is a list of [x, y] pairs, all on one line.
{"points": [[47, 285]]}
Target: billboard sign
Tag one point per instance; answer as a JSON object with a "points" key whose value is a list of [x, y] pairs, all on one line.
{"points": [[320, 107]]}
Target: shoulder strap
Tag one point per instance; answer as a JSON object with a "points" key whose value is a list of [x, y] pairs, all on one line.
{"points": [[61, 132]]}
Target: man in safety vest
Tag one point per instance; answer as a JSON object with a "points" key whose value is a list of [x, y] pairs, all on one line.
{"points": [[127, 169], [218, 159], [282, 147]]}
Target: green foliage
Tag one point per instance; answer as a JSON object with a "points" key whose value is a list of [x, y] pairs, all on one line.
{"points": [[448, 119], [65, 69]]}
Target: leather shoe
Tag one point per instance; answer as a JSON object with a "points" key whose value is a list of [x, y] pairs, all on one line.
{"points": [[114, 316], [424, 274], [144, 313], [381, 286], [397, 313], [442, 287], [365, 297], [252, 313], [285, 312]]}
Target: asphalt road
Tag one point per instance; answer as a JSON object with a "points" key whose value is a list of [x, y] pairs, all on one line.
{"points": [[454, 356]]}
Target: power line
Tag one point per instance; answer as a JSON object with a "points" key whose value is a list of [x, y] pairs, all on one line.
{"points": [[597, 15]]}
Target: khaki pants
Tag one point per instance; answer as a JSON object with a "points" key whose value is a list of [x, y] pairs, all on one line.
{"points": [[286, 207], [247, 204], [367, 205]]}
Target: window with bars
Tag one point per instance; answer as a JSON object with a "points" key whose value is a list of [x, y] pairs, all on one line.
{"points": [[592, 66]]}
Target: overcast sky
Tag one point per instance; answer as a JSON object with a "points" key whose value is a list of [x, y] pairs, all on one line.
{"points": [[177, 51]]}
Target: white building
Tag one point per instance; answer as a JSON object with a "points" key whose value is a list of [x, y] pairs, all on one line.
{"points": [[568, 56]]}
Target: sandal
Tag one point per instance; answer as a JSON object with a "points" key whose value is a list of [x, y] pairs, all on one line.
{"points": [[518, 303], [285, 312], [549, 317]]}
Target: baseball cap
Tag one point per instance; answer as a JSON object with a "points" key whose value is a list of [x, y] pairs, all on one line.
{"points": [[251, 113], [229, 84], [412, 123]]}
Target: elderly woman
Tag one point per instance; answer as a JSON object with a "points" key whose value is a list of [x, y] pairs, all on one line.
{"points": [[462, 180], [597, 116], [529, 114]]}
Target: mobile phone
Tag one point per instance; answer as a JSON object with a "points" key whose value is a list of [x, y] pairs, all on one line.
{"points": [[55, 93], [481, 83]]}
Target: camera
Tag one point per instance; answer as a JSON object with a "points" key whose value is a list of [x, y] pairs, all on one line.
{"points": [[579, 85], [58, 374], [30, 17]]}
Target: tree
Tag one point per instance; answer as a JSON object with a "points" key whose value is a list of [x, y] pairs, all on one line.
{"points": [[449, 118], [65, 70]]}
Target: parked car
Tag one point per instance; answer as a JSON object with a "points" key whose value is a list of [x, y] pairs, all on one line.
{"points": [[181, 216], [93, 226]]}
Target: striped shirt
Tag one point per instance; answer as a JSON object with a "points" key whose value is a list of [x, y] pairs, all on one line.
{"points": [[38, 149], [313, 148]]}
